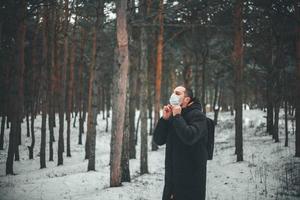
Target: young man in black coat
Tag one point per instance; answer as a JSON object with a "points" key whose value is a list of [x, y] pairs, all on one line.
{"points": [[183, 129]]}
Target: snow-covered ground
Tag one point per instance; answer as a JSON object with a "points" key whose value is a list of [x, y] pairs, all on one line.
{"points": [[269, 170]]}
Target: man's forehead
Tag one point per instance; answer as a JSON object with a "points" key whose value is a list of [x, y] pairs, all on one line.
{"points": [[179, 89]]}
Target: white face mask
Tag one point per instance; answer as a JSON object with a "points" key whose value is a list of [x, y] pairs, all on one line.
{"points": [[174, 100]]}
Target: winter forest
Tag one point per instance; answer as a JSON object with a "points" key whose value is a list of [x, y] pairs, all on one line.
{"points": [[83, 84]]}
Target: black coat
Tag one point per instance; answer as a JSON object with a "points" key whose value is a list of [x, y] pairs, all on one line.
{"points": [[185, 137]]}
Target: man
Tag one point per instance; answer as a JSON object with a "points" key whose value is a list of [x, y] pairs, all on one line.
{"points": [[183, 129]]}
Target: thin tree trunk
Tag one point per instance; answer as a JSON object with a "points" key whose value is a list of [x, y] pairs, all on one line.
{"points": [[270, 123], [44, 89], [35, 91], [70, 89], [204, 84], [238, 63], [7, 122], [133, 79], [144, 92], [2, 131], [80, 103], [132, 109], [11, 147], [159, 65], [120, 88], [92, 107], [107, 106], [63, 86], [297, 142], [286, 143], [27, 124], [276, 120], [125, 151], [31, 147], [143, 103], [52, 79], [18, 139]]}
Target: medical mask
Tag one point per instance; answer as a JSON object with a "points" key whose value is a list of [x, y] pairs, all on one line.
{"points": [[174, 100]]}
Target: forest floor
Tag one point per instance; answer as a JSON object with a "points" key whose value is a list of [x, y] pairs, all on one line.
{"points": [[269, 170]]}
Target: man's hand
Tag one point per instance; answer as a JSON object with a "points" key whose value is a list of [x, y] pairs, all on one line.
{"points": [[176, 110], [167, 111]]}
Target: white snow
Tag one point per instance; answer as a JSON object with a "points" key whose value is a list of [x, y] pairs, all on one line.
{"points": [[269, 170]]}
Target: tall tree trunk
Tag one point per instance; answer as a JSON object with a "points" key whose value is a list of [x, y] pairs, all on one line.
{"points": [[237, 57], [16, 108], [107, 105], [125, 151], [203, 86], [94, 88], [18, 139], [70, 88], [80, 103], [297, 143], [120, 93], [52, 80], [34, 90], [2, 131], [63, 86], [143, 102], [270, 116], [159, 65], [44, 89], [92, 106], [31, 147], [276, 120], [132, 109], [286, 143]]}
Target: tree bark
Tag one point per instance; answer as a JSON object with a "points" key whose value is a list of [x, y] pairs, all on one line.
{"points": [[276, 121], [80, 103], [125, 151], [2, 131], [92, 107], [31, 147], [159, 65], [70, 88], [237, 57], [16, 108], [270, 116], [143, 102], [286, 143], [63, 85], [44, 88], [27, 123], [119, 104], [52, 80], [132, 109], [297, 142]]}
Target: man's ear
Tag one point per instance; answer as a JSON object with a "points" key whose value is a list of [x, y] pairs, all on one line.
{"points": [[188, 99]]}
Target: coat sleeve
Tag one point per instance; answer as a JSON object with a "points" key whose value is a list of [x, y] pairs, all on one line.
{"points": [[190, 133], [161, 131]]}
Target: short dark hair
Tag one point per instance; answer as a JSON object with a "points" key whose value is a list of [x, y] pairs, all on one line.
{"points": [[189, 93]]}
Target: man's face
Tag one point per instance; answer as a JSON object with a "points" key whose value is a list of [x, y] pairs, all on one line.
{"points": [[180, 91]]}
